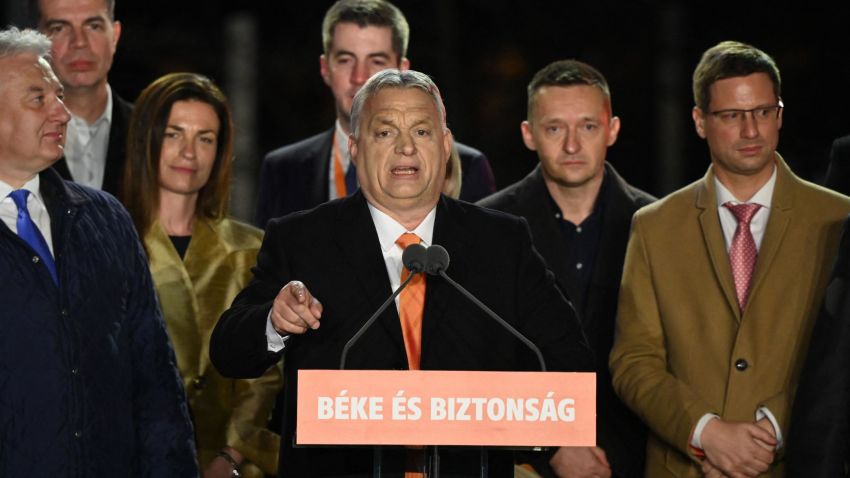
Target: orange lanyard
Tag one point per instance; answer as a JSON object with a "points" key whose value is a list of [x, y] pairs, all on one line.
{"points": [[339, 173]]}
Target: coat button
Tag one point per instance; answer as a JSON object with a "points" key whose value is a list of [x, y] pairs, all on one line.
{"points": [[199, 382], [75, 371], [35, 259], [78, 434], [741, 365]]}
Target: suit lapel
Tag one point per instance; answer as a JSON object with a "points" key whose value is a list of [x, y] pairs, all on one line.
{"points": [[117, 147], [608, 268], [438, 293], [354, 233], [534, 206], [712, 233], [777, 223], [321, 169], [61, 167]]}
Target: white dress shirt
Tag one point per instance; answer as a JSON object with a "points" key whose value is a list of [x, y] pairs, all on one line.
{"points": [[35, 206], [86, 146], [389, 230], [758, 224]]}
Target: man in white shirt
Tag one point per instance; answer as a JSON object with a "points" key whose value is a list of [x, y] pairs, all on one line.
{"points": [[722, 282], [85, 34], [322, 273]]}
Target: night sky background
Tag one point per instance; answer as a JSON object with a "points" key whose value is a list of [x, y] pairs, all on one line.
{"points": [[482, 53]]}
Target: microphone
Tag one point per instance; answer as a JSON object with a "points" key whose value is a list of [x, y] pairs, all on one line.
{"points": [[437, 261], [414, 260]]}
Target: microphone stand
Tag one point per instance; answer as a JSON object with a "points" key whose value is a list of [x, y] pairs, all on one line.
{"points": [[436, 264], [372, 319], [516, 333], [413, 259]]}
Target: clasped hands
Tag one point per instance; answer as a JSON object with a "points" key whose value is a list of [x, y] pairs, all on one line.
{"points": [[738, 449]]}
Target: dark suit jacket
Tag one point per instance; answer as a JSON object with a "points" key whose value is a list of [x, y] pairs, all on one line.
{"points": [[116, 151], [819, 440], [334, 250], [295, 177], [838, 173], [619, 432]]}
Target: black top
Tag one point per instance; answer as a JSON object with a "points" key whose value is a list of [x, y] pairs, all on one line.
{"points": [[581, 241], [181, 243]]}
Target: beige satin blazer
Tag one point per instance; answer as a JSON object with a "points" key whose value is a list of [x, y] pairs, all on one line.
{"points": [[193, 293]]}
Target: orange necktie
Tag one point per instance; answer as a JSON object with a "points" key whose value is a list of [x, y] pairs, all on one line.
{"points": [[411, 305]]}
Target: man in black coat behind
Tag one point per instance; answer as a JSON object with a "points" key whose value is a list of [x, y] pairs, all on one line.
{"points": [[580, 210]]}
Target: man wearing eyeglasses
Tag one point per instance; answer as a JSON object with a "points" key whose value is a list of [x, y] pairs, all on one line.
{"points": [[722, 282]]}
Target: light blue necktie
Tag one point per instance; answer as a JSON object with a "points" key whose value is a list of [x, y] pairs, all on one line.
{"points": [[28, 231]]}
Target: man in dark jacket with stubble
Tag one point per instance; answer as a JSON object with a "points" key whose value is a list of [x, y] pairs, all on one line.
{"points": [[579, 210]]}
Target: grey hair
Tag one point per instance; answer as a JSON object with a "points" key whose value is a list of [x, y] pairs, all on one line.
{"points": [[393, 78], [16, 42]]}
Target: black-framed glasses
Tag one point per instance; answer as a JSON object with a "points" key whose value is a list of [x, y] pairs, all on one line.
{"points": [[762, 114]]}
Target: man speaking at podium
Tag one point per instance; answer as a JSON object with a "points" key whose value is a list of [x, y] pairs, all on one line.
{"points": [[322, 273]]}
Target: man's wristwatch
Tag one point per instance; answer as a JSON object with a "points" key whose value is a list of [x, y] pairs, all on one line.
{"points": [[233, 465]]}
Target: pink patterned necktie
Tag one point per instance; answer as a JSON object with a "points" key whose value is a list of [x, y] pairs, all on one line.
{"points": [[743, 253]]}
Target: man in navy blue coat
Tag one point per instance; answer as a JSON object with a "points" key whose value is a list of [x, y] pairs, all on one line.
{"points": [[88, 386]]}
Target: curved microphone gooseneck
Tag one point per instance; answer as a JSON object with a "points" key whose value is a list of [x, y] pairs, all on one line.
{"points": [[413, 259]]}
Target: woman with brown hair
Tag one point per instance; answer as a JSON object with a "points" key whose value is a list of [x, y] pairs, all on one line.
{"points": [[176, 187]]}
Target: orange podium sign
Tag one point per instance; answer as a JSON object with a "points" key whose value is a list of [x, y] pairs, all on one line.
{"points": [[422, 407]]}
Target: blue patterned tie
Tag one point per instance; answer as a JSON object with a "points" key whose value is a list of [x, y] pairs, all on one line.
{"points": [[351, 179], [28, 231]]}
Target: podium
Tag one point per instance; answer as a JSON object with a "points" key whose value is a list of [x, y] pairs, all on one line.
{"points": [[429, 410]]}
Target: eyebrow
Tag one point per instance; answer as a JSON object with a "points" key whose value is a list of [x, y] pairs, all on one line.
{"points": [[764, 105], [379, 54], [389, 121], [37, 89], [50, 22], [182, 129]]}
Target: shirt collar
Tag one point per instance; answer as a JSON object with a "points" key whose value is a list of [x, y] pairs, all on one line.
{"points": [[32, 186], [389, 229], [763, 197], [105, 117], [598, 203]]}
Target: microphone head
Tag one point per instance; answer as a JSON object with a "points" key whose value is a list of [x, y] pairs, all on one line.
{"points": [[413, 258], [437, 260]]}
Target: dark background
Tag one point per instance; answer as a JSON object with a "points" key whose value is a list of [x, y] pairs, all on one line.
{"points": [[482, 53]]}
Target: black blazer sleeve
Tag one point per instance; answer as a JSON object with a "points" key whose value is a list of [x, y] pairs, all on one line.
{"points": [[838, 172], [477, 180], [819, 439], [294, 178]]}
